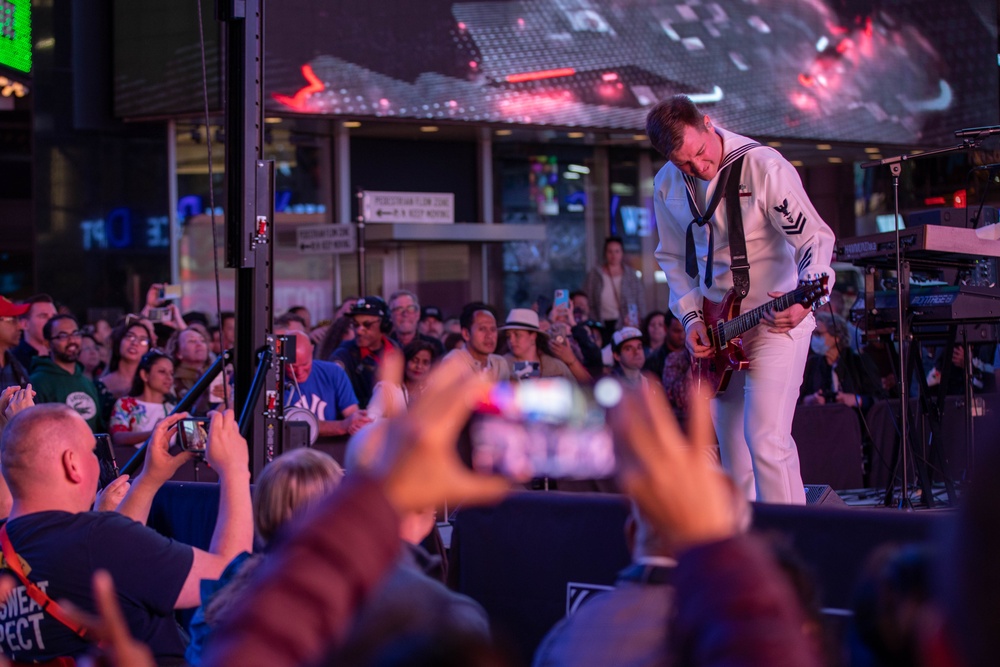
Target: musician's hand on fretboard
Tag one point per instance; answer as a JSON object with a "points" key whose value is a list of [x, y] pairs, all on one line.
{"points": [[782, 321]]}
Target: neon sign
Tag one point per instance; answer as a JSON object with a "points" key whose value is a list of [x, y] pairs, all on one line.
{"points": [[15, 34], [117, 231]]}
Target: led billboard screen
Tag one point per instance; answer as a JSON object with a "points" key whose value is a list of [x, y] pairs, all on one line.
{"points": [[892, 71]]}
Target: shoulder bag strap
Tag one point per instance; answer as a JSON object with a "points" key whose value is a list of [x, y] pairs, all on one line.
{"points": [[34, 592]]}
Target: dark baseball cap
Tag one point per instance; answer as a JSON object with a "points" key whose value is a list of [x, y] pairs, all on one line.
{"points": [[370, 305], [431, 311]]}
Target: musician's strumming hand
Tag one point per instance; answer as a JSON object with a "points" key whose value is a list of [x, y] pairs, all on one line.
{"points": [[783, 321], [697, 342]]}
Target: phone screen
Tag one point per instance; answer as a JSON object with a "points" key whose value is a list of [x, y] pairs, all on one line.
{"points": [[170, 292], [561, 298], [159, 314], [192, 433], [542, 428], [106, 458], [524, 370]]}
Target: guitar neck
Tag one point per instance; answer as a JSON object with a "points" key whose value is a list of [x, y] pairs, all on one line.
{"points": [[744, 322]]}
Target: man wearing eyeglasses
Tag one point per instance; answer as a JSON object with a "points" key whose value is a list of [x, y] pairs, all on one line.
{"points": [[12, 371], [405, 311], [58, 378], [361, 356]]}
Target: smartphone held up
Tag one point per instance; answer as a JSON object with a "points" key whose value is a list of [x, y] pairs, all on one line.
{"points": [[192, 434], [546, 427], [106, 457]]}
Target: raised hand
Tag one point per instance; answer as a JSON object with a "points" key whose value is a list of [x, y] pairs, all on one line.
{"points": [[419, 466], [674, 478], [227, 450], [160, 465]]}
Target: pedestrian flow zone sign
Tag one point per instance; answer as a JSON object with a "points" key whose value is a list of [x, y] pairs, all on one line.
{"points": [[436, 207], [326, 239]]}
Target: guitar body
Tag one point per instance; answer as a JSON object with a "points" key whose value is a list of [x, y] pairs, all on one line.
{"points": [[713, 373], [726, 325]]}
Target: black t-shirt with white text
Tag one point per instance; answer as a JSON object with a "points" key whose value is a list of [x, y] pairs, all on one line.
{"points": [[60, 551]]}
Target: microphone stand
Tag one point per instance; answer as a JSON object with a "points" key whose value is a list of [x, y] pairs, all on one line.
{"points": [[903, 299]]}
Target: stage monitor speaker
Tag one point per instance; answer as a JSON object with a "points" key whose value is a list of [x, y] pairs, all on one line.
{"points": [[823, 494]]}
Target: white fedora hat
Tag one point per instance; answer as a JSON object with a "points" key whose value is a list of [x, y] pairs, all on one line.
{"points": [[524, 319]]}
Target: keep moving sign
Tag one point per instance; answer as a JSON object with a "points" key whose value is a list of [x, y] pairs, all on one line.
{"points": [[433, 207]]}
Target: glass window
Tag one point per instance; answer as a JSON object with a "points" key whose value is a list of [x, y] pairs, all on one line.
{"points": [[300, 279], [542, 185]]}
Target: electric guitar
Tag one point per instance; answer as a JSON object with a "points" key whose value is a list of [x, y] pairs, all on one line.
{"points": [[726, 325]]}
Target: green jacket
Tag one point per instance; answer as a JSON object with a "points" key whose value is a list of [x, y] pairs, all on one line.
{"points": [[54, 385]]}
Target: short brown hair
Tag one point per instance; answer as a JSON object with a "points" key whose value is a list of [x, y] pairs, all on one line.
{"points": [[289, 484], [30, 436], [666, 121]]}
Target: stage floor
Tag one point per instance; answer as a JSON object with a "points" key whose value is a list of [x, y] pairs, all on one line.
{"points": [[872, 498]]}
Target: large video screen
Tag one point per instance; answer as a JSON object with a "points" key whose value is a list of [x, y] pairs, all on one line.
{"points": [[905, 72], [158, 58]]}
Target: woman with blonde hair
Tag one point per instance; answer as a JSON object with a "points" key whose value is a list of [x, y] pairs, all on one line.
{"points": [[288, 486]]}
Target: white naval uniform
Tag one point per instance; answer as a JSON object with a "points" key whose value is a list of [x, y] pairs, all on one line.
{"points": [[786, 241]]}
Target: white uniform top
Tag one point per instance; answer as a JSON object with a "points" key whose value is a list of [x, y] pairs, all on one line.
{"points": [[786, 239]]}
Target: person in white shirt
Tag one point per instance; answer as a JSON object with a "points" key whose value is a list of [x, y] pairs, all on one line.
{"points": [[480, 333], [786, 241]]}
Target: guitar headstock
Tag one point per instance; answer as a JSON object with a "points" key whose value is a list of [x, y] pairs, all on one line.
{"points": [[811, 291]]}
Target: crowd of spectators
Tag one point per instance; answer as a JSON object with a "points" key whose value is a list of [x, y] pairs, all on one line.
{"points": [[603, 329], [337, 574]]}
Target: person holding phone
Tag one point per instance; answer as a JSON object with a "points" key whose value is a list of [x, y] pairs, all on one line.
{"points": [[150, 400], [528, 354], [161, 309], [62, 542]]}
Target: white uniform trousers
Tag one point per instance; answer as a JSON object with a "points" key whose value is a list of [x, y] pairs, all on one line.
{"points": [[753, 417]]}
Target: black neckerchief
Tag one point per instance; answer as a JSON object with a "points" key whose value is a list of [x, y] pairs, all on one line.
{"points": [[691, 258]]}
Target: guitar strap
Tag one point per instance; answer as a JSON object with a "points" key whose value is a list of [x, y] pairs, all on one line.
{"points": [[739, 262]]}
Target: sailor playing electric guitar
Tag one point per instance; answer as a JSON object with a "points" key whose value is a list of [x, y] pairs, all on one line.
{"points": [[732, 215]]}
